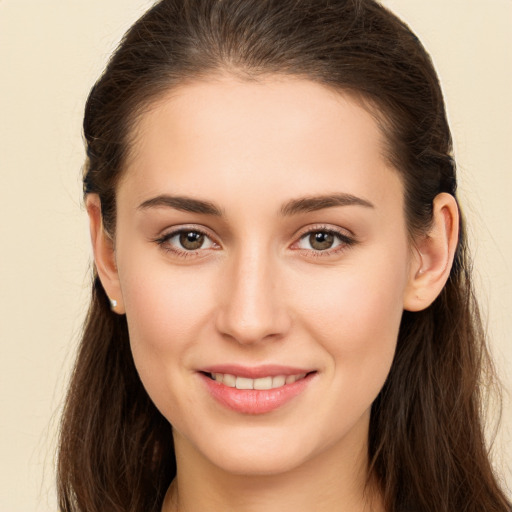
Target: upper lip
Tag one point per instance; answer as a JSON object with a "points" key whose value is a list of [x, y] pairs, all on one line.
{"points": [[255, 372]]}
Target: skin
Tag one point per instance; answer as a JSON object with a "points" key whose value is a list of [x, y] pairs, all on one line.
{"points": [[260, 292]]}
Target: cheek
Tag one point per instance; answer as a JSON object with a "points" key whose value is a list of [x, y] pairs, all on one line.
{"points": [[167, 313], [355, 302], [355, 313], [167, 309]]}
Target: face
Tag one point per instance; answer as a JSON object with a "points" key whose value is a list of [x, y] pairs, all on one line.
{"points": [[261, 243]]}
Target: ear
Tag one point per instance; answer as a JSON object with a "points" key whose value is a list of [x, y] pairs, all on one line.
{"points": [[433, 255], [104, 254]]}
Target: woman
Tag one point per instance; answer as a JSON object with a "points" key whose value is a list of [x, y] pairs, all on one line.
{"points": [[281, 272]]}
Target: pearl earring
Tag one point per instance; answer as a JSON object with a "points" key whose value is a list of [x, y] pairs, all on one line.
{"points": [[113, 303]]}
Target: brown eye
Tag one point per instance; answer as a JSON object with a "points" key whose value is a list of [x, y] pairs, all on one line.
{"points": [[191, 240], [321, 240], [186, 242], [326, 241]]}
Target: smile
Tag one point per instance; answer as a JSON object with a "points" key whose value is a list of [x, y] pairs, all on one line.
{"points": [[263, 383], [256, 390]]}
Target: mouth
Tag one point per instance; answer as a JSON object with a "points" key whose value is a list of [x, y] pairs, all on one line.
{"points": [[261, 383], [256, 391]]}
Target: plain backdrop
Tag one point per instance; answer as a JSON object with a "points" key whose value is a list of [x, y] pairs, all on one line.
{"points": [[50, 55]]}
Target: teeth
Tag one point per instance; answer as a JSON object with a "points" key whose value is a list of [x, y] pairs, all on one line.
{"points": [[278, 381], [262, 383], [229, 380], [293, 378], [243, 383]]}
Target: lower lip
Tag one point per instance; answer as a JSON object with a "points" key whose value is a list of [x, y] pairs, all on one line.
{"points": [[255, 401]]}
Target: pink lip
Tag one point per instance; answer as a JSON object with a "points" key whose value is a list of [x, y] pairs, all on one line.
{"points": [[252, 401]]}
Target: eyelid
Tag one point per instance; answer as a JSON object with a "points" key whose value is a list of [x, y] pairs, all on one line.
{"points": [[330, 228], [173, 230]]}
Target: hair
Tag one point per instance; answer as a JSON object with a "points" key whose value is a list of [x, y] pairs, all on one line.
{"points": [[427, 449]]}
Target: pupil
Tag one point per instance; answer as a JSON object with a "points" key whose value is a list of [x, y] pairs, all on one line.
{"points": [[191, 240], [321, 240]]}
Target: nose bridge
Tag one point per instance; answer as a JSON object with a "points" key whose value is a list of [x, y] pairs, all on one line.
{"points": [[250, 307]]}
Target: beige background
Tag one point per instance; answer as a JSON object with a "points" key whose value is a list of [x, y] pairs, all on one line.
{"points": [[50, 54]]}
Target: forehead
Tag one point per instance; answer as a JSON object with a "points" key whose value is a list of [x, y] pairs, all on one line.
{"points": [[279, 133]]}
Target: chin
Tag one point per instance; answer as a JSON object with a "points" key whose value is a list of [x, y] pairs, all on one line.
{"points": [[257, 464], [262, 453]]}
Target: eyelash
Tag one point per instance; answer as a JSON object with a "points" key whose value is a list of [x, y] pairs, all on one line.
{"points": [[345, 242]]}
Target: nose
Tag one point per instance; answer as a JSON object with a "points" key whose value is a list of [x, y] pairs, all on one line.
{"points": [[252, 305]]}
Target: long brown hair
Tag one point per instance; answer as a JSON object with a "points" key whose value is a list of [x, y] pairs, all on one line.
{"points": [[426, 447]]}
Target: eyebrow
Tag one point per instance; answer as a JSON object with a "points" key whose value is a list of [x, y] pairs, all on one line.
{"points": [[183, 203], [314, 203], [292, 207]]}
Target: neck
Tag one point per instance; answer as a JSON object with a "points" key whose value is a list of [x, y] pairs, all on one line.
{"points": [[332, 481]]}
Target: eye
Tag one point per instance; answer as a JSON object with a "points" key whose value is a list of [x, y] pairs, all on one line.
{"points": [[186, 241], [189, 240], [324, 240]]}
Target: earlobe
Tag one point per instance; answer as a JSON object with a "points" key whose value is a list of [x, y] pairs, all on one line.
{"points": [[104, 254], [433, 255]]}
